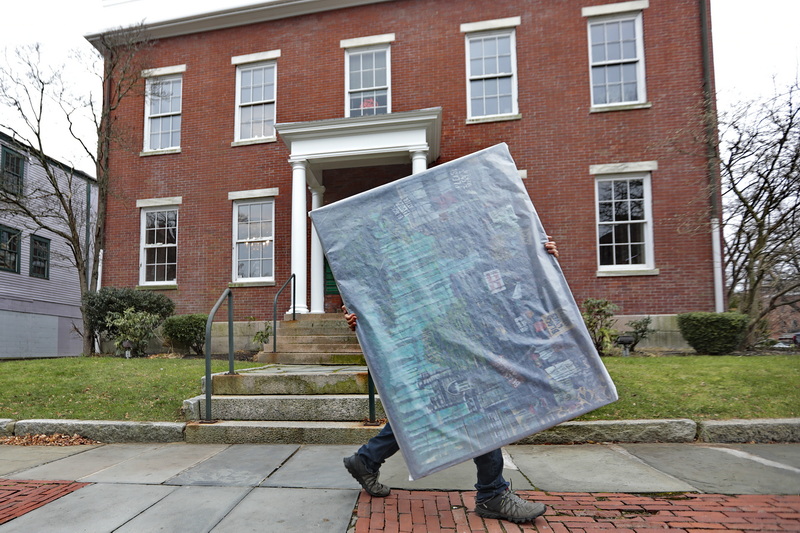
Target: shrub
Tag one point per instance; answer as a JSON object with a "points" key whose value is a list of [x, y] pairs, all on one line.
{"points": [[713, 333], [640, 330], [186, 330], [136, 327], [101, 304], [598, 314]]}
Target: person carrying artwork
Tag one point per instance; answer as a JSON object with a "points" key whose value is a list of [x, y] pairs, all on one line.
{"points": [[494, 498]]}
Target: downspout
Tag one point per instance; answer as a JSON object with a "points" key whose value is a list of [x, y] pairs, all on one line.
{"points": [[712, 158]]}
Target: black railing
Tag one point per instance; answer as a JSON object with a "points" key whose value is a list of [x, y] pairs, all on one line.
{"points": [[227, 293], [275, 310]]}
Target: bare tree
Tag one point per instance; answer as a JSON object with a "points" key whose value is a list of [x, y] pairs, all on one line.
{"points": [[58, 203], [760, 170]]}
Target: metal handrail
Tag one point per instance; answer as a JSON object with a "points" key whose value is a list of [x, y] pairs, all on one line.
{"points": [[226, 293], [292, 278]]}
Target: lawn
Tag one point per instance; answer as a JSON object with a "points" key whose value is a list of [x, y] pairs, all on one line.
{"points": [[112, 388]]}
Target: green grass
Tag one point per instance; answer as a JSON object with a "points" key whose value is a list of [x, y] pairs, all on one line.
{"points": [[695, 387], [102, 388], [703, 387]]}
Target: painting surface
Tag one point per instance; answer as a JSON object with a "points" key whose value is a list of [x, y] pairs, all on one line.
{"points": [[467, 324]]}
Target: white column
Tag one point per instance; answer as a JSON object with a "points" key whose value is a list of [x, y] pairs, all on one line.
{"points": [[299, 232], [317, 259], [419, 161]]}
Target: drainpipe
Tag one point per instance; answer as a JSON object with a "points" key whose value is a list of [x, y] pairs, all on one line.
{"points": [[712, 159]]}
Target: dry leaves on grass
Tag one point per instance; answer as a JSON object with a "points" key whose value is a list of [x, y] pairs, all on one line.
{"points": [[56, 439]]}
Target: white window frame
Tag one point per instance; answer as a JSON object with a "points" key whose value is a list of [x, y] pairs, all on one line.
{"points": [[153, 77], [150, 206], [491, 28], [239, 199], [246, 62], [624, 11], [618, 172], [359, 45]]}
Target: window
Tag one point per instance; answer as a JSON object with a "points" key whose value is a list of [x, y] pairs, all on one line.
{"points": [[253, 239], [255, 96], [617, 60], [162, 127], [624, 224], [13, 172], [491, 66], [9, 249], [159, 252], [368, 81], [40, 257]]}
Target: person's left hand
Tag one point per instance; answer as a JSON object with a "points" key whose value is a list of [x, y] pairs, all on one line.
{"points": [[551, 247]]}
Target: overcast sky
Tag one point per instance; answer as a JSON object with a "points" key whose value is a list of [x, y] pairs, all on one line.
{"points": [[756, 43]]}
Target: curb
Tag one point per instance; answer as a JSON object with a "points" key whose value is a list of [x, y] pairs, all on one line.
{"points": [[632, 431]]}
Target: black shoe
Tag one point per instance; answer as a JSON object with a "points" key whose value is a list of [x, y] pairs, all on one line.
{"points": [[355, 465], [509, 506]]}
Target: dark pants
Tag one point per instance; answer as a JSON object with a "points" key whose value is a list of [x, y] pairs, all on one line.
{"points": [[490, 465]]}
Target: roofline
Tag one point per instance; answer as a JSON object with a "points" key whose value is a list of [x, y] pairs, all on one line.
{"points": [[237, 16], [16, 143]]}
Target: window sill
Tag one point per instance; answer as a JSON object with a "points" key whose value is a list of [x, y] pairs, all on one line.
{"points": [[494, 118], [248, 142], [621, 107], [235, 284], [145, 153], [165, 287], [613, 273]]}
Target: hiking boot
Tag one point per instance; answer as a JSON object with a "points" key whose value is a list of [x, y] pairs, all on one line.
{"points": [[509, 506], [355, 465]]}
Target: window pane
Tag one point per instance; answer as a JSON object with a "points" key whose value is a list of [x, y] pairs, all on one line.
{"points": [[606, 212], [606, 255], [637, 255], [606, 234]]}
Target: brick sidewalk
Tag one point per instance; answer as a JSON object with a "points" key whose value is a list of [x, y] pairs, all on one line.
{"points": [[451, 512], [18, 497]]}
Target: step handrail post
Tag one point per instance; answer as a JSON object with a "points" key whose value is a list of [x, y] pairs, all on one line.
{"points": [[229, 295], [275, 309]]}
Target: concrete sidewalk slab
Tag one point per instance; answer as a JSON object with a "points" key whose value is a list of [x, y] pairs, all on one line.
{"points": [[16, 458], [591, 468], [80, 465], [243, 465], [94, 508], [315, 467], [715, 469], [291, 511], [190, 509], [158, 465]]}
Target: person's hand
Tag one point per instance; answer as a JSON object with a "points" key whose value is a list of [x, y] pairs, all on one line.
{"points": [[350, 318], [551, 247]]}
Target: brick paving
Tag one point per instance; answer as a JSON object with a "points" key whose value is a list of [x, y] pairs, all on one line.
{"points": [[18, 497], [451, 512]]}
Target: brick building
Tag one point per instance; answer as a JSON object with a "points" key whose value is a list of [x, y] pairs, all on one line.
{"points": [[251, 116]]}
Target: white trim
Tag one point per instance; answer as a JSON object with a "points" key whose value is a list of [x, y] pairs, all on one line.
{"points": [[237, 118], [163, 71], [254, 193], [173, 206], [255, 58], [511, 32], [387, 49], [160, 202], [612, 273], [247, 199], [612, 9], [496, 24], [372, 40], [621, 168]]}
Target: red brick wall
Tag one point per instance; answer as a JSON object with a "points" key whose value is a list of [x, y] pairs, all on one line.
{"points": [[556, 140]]}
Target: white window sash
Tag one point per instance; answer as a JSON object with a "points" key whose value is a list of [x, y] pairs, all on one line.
{"points": [[243, 200], [641, 88], [143, 246], [240, 68], [348, 92], [512, 75], [148, 116]]}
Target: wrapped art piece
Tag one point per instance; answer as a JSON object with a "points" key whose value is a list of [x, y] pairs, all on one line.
{"points": [[467, 324]]}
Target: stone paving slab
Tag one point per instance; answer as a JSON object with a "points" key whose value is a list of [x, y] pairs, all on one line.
{"points": [[156, 466], [240, 465], [424, 512], [17, 458], [315, 467], [714, 468], [591, 467], [96, 508], [291, 511]]}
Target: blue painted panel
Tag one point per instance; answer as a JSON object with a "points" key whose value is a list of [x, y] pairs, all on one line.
{"points": [[467, 324]]}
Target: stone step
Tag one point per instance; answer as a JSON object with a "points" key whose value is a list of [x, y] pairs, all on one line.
{"points": [[319, 347], [292, 379], [298, 407], [254, 432], [309, 358], [292, 338]]}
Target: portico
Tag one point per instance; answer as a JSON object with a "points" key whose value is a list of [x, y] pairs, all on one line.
{"points": [[322, 145]]}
